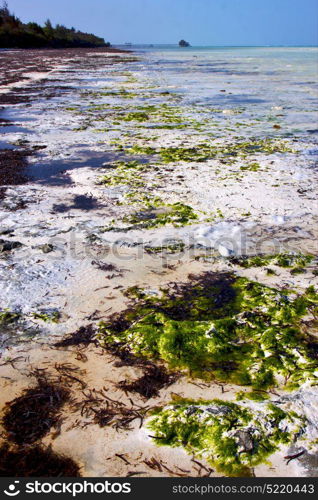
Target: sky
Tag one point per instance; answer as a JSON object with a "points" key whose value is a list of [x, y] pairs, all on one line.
{"points": [[201, 22]]}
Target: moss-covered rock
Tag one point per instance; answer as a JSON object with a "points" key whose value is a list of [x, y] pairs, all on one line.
{"points": [[232, 437]]}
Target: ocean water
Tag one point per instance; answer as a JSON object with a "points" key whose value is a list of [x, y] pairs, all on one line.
{"points": [[264, 85]]}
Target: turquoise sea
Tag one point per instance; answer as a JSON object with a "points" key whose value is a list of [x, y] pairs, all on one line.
{"points": [[264, 84]]}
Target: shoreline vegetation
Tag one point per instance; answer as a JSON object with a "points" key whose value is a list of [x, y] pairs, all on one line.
{"points": [[15, 34], [135, 355]]}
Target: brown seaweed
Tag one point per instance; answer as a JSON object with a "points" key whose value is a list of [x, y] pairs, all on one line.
{"points": [[83, 336], [154, 378], [106, 411], [35, 461], [30, 416], [150, 383]]}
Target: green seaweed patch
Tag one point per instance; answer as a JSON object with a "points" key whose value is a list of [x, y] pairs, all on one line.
{"points": [[123, 93], [8, 317], [287, 260], [203, 151], [168, 126], [155, 215], [47, 317], [254, 395], [297, 270], [140, 150], [233, 438], [74, 108], [172, 248], [251, 167], [270, 271], [125, 173], [130, 79], [152, 211], [137, 116], [222, 327], [155, 113]]}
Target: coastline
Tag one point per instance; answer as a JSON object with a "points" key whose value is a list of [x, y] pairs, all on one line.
{"points": [[94, 255], [41, 61]]}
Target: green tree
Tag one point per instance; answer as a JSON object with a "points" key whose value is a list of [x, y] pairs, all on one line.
{"points": [[48, 29]]}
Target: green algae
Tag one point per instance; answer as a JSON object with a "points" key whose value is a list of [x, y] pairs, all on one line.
{"points": [[162, 113], [225, 328], [297, 270], [172, 248], [143, 150], [203, 151], [159, 214], [270, 272], [123, 93], [251, 167], [168, 126], [151, 116], [152, 212], [8, 317], [47, 317], [137, 116], [233, 438], [286, 260], [254, 395], [130, 78], [125, 173]]}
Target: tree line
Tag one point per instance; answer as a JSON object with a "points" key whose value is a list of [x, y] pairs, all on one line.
{"points": [[15, 34]]}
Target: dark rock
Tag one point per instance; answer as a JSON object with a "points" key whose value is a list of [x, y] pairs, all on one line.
{"points": [[46, 248], [6, 232], [191, 410], [244, 440], [218, 410], [7, 246], [183, 43]]}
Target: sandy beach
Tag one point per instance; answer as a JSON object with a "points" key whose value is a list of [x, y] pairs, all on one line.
{"points": [[122, 180]]}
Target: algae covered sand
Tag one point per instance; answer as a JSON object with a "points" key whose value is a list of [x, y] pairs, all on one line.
{"points": [[158, 266], [224, 328]]}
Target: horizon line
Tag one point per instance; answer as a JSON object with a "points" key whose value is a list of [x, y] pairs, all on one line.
{"points": [[149, 44]]}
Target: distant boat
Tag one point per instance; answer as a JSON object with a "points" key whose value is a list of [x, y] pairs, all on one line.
{"points": [[183, 43]]}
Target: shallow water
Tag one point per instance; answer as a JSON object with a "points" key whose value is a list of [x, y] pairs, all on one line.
{"points": [[273, 85]]}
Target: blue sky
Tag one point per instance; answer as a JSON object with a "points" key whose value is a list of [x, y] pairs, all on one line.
{"points": [[201, 22]]}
